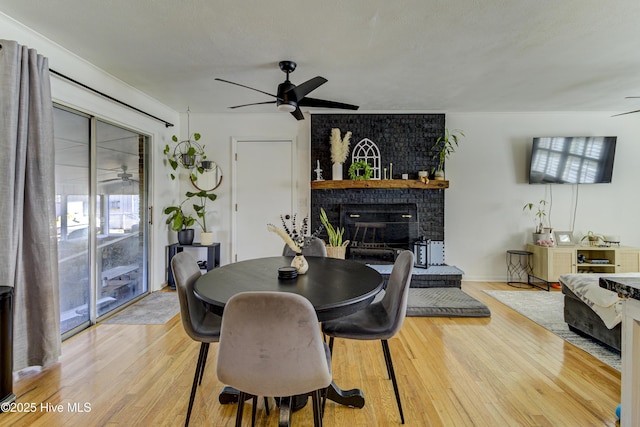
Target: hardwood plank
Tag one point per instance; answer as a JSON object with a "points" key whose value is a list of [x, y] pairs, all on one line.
{"points": [[503, 370]]}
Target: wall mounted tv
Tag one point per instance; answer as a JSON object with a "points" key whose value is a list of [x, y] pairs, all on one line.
{"points": [[572, 160]]}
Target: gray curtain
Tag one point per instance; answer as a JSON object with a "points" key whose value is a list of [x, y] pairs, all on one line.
{"points": [[27, 204]]}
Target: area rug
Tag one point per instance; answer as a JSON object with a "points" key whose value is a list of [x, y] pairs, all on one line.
{"points": [[444, 302], [546, 309], [154, 309]]}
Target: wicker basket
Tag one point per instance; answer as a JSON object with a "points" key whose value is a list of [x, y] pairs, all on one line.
{"points": [[337, 251]]}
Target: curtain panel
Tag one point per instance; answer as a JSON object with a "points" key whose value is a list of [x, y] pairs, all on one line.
{"points": [[27, 205]]}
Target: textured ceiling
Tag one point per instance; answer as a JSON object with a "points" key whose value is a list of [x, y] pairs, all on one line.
{"points": [[434, 55]]}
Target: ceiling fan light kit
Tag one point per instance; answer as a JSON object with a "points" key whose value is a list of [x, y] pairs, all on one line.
{"points": [[290, 97]]}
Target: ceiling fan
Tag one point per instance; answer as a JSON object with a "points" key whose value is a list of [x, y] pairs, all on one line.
{"points": [[290, 97], [123, 176], [628, 112]]}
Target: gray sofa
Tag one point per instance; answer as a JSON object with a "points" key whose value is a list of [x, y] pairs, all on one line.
{"points": [[583, 320]]}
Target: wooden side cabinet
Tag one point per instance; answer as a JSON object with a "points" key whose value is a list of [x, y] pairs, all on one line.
{"points": [[549, 263], [213, 258]]}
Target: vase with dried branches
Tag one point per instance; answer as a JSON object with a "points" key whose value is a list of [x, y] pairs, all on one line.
{"points": [[339, 152]]}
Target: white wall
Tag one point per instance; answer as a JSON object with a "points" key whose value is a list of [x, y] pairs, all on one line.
{"points": [[73, 96], [489, 187]]}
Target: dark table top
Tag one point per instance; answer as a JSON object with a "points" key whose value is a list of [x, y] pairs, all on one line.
{"points": [[335, 287]]}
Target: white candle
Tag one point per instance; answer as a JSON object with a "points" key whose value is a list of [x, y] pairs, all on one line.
{"points": [[390, 170]]}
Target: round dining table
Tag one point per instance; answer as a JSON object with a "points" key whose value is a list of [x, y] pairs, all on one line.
{"points": [[335, 288]]}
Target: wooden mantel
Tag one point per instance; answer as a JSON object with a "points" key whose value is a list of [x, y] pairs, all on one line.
{"points": [[379, 183]]}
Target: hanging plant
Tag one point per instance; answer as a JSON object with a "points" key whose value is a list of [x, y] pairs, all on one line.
{"points": [[360, 170]]}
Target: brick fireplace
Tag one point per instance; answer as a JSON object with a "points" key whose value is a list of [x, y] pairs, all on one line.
{"points": [[404, 140]]}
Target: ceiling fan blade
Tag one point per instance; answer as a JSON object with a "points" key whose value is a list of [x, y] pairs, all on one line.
{"points": [[254, 103], [247, 87], [297, 114], [304, 88], [314, 102], [628, 112]]}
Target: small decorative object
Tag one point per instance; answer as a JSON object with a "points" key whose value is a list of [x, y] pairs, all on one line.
{"points": [[390, 170], [339, 152], [423, 176], [360, 170], [295, 239], [336, 248], [405, 176], [592, 238], [563, 238], [443, 148], [287, 273], [318, 172]]}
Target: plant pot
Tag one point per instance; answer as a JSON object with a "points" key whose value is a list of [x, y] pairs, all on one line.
{"points": [[206, 238], [185, 237], [541, 236], [438, 175], [339, 252], [300, 263], [336, 172]]}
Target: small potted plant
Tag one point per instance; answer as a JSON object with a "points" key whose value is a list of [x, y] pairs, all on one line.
{"points": [[179, 221], [541, 232], [593, 238], [188, 154], [443, 148], [206, 237], [336, 248]]}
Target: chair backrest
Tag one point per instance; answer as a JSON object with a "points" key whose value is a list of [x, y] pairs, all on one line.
{"points": [[397, 291], [192, 311], [270, 345], [313, 247]]}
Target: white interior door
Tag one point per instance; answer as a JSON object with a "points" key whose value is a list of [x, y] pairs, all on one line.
{"points": [[263, 189]]}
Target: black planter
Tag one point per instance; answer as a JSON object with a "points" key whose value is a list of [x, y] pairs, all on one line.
{"points": [[185, 237]]}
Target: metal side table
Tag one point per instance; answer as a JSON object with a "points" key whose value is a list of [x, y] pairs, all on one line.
{"points": [[519, 265]]}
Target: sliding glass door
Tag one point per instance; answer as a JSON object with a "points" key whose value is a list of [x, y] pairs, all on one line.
{"points": [[101, 203]]}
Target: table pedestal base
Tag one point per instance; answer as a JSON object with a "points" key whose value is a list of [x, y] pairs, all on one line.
{"points": [[353, 398]]}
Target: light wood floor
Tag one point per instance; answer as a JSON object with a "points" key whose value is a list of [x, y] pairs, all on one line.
{"points": [[498, 371]]}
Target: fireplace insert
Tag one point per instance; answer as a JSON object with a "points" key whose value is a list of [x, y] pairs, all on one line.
{"points": [[378, 232]]}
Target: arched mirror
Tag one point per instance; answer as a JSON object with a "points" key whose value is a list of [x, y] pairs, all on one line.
{"points": [[210, 177]]}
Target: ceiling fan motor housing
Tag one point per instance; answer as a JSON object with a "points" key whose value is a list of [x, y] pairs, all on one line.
{"points": [[286, 100]]}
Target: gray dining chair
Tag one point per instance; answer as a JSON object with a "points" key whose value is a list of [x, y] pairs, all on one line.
{"points": [[380, 320], [200, 324], [270, 345], [314, 246]]}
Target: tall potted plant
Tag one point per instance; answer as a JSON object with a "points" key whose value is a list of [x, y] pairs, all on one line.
{"points": [[336, 248], [540, 213], [180, 222], [443, 148], [200, 208]]}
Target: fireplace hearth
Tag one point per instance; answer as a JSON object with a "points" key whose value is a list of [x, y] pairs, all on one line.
{"points": [[377, 232]]}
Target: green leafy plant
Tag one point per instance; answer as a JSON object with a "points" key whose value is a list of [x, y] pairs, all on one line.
{"points": [[177, 218], [356, 167], [540, 213], [335, 234], [188, 154], [445, 146], [201, 207]]}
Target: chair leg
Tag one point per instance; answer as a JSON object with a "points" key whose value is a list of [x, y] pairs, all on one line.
{"points": [[204, 363], [284, 419], [241, 398], [266, 405], [253, 411], [331, 345], [387, 356], [204, 347], [386, 359], [317, 408]]}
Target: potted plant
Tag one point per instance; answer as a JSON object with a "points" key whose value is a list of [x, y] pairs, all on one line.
{"points": [[188, 154], [443, 148], [593, 238], [206, 236], [180, 222], [339, 152], [541, 232], [336, 248]]}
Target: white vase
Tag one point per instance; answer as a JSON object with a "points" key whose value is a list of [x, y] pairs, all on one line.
{"points": [[206, 238], [336, 172], [300, 263]]}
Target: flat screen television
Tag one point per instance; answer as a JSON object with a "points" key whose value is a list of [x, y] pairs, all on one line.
{"points": [[572, 160]]}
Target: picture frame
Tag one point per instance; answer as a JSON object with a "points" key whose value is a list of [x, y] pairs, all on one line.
{"points": [[563, 238]]}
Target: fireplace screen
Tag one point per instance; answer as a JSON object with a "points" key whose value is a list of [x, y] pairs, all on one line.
{"points": [[378, 232]]}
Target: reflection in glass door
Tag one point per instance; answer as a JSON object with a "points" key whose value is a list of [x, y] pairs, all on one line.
{"points": [[102, 238], [120, 214]]}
